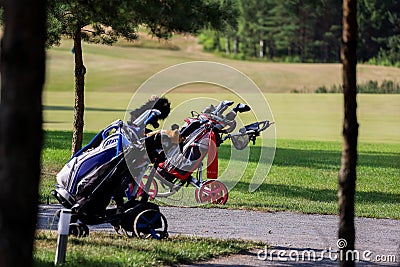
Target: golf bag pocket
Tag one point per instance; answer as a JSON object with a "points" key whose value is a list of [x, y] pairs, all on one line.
{"points": [[63, 177], [80, 166]]}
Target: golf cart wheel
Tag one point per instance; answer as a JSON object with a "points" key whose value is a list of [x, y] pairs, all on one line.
{"points": [[153, 190], [78, 229], [150, 224], [212, 192]]}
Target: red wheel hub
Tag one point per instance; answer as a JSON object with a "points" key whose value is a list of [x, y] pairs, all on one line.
{"points": [[212, 191]]}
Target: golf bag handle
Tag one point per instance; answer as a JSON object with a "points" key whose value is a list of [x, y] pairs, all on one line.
{"points": [[108, 129]]}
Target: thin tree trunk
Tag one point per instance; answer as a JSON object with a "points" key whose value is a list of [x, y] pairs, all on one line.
{"points": [[79, 106], [347, 173], [303, 41], [217, 45], [22, 78], [271, 48], [227, 45], [262, 48], [289, 51], [326, 53], [236, 45]]}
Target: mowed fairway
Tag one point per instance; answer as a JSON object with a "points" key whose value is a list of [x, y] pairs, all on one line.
{"points": [[308, 126], [297, 116]]}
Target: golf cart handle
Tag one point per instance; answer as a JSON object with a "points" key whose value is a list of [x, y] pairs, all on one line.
{"points": [[256, 127], [265, 125], [228, 136]]}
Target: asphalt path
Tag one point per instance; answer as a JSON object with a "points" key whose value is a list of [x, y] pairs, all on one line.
{"points": [[290, 237]]}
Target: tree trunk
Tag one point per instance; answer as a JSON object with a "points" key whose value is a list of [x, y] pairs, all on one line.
{"points": [[347, 173], [271, 48], [79, 106], [217, 45], [289, 51], [22, 78], [262, 48], [227, 45], [303, 41], [236, 45], [326, 53]]}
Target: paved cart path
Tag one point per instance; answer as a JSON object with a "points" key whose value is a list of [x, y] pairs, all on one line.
{"points": [[283, 231]]}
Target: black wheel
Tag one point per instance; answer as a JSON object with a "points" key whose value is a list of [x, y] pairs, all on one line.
{"points": [[84, 229], [78, 229], [150, 224]]}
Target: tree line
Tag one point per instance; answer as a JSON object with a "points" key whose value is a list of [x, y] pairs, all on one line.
{"points": [[307, 31]]}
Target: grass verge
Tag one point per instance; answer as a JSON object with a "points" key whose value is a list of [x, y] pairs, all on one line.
{"points": [[109, 249]]}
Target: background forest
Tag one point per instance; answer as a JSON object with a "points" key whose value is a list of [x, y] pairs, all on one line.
{"points": [[308, 31]]}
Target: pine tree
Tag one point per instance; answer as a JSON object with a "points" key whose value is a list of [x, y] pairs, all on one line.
{"points": [[105, 21]]}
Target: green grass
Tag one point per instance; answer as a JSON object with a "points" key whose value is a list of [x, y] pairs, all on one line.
{"points": [[304, 116], [109, 249], [303, 177]]}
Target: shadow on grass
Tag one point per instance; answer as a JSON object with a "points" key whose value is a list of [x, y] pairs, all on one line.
{"points": [[62, 139], [327, 159], [286, 157], [317, 159], [79, 261], [43, 263], [70, 108], [320, 195]]}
